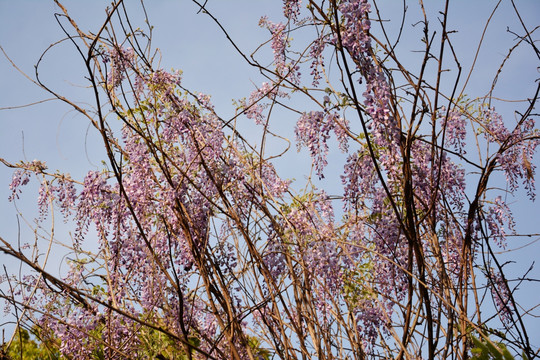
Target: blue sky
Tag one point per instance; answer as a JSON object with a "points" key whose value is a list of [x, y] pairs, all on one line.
{"points": [[192, 42]]}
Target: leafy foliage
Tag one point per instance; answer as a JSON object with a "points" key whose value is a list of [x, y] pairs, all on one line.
{"points": [[24, 347]]}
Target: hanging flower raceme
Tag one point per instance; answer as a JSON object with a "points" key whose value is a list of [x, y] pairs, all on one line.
{"points": [[121, 60], [313, 131]]}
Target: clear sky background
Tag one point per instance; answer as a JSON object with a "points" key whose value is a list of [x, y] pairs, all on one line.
{"points": [[193, 43]]}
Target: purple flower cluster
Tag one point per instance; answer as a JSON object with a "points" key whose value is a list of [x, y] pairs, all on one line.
{"points": [[291, 9], [454, 125], [65, 194], [517, 148], [121, 60], [451, 248], [359, 180], [382, 125], [280, 43], [96, 203], [313, 131], [164, 82], [501, 296], [316, 53], [355, 27], [434, 176], [255, 106], [274, 257], [498, 216], [20, 178]]}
